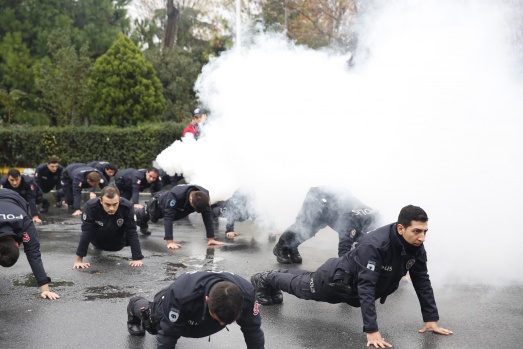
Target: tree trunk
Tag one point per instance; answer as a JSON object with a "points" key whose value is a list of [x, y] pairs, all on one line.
{"points": [[170, 28]]}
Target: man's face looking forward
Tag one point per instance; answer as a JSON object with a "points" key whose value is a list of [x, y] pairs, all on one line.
{"points": [[52, 167], [110, 205]]}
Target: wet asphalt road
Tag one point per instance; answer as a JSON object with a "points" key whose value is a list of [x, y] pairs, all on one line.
{"points": [[91, 310]]}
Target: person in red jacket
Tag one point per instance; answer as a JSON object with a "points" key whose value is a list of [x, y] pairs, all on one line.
{"points": [[193, 128]]}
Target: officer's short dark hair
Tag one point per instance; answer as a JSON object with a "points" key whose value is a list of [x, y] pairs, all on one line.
{"points": [[226, 301], [112, 167], [200, 201], [53, 160], [9, 252], [153, 169], [109, 192], [411, 213], [93, 177], [13, 172]]}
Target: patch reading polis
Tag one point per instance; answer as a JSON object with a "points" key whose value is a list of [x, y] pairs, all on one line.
{"points": [[119, 222], [410, 263], [172, 203], [174, 314], [371, 265], [256, 309]]}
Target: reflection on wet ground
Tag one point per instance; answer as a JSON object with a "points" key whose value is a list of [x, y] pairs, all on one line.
{"points": [[105, 292]]}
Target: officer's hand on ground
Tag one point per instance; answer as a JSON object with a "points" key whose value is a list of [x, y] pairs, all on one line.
{"points": [[46, 293], [433, 326], [211, 241], [138, 206], [50, 295], [138, 263], [37, 219], [64, 203], [231, 234], [77, 213], [377, 341], [92, 195], [81, 265], [172, 245]]}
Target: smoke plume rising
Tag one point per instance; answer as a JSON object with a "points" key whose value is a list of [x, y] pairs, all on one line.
{"points": [[430, 114]]}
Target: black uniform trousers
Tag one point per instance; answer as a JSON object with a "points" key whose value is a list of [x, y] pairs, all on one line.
{"points": [[41, 199], [308, 285], [137, 303], [313, 217]]}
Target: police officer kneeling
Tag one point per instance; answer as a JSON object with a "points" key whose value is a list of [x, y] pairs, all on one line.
{"points": [[197, 305], [370, 271]]}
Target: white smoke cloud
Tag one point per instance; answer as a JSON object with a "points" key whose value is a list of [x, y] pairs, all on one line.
{"points": [[430, 115]]}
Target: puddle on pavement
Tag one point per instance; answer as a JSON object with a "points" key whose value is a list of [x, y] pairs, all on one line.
{"points": [[30, 281], [175, 266], [105, 292]]}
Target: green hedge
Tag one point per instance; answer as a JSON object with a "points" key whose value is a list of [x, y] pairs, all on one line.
{"points": [[127, 147]]}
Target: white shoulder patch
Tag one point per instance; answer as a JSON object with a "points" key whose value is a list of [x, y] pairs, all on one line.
{"points": [[174, 314]]}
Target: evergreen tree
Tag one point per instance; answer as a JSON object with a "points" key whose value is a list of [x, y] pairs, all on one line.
{"points": [[63, 80], [177, 70], [124, 88]]}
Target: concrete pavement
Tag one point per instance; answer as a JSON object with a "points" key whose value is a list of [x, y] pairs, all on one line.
{"points": [[91, 310]]}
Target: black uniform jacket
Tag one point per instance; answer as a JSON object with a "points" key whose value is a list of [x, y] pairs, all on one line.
{"points": [[134, 180], [175, 205], [77, 175], [15, 221], [100, 166], [48, 180], [378, 263], [109, 232], [27, 190], [184, 311], [340, 209]]}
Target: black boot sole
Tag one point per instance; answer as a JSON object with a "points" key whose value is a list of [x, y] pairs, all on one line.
{"points": [[280, 259]]}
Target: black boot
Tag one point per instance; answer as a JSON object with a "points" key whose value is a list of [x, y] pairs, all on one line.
{"points": [[144, 229], [263, 289], [134, 323], [276, 296], [45, 205], [295, 255], [282, 254], [141, 221]]}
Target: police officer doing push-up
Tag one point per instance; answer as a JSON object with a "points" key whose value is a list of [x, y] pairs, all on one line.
{"points": [[48, 176], [28, 189], [370, 271], [17, 227], [77, 177], [323, 206], [197, 305], [176, 204], [106, 168], [108, 223], [131, 182], [238, 208]]}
